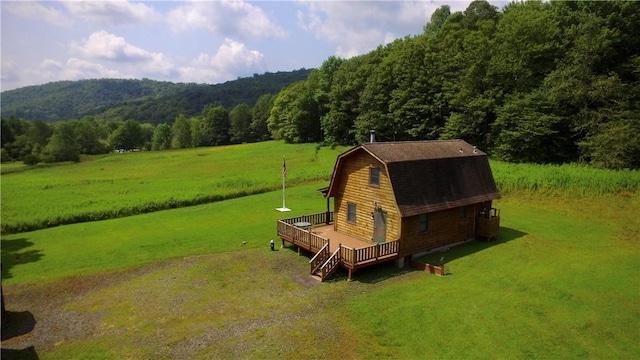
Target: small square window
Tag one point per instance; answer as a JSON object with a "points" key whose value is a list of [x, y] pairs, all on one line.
{"points": [[424, 223], [351, 213], [463, 212], [374, 176]]}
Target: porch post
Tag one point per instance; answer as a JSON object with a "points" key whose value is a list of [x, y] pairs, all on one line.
{"points": [[328, 212]]}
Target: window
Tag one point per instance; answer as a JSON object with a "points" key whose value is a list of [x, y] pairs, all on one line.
{"points": [[351, 213], [463, 212], [374, 176], [424, 223]]}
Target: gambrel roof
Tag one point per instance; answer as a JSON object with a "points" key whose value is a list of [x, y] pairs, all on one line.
{"points": [[429, 176]]}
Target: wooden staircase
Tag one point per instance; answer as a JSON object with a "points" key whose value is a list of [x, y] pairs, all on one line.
{"points": [[324, 264]]}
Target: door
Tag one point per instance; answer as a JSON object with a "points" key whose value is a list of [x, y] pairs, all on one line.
{"points": [[380, 226]]}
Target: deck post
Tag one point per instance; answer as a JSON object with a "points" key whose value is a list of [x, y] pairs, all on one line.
{"points": [[350, 278], [299, 251], [327, 214]]}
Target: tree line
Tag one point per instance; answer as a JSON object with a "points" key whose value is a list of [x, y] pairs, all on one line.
{"points": [[143, 100], [37, 141], [541, 82]]}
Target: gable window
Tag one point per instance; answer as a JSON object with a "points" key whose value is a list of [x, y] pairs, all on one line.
{"points": [[463, 212], [424, 223], [351, 213], [374, 176]]}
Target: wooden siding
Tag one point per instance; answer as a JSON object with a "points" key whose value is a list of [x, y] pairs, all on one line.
{"points": [[445, 227], [353, 187]]}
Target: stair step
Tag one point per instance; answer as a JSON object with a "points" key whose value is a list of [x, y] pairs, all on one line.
{"points": [[316, 277]]}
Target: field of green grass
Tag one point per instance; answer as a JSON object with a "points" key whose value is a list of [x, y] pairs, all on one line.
{"points": [[560, 281], [116, 185]]}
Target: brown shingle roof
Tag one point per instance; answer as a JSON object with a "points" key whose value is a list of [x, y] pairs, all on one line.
{"points": [[389, 152], [429, 176]]}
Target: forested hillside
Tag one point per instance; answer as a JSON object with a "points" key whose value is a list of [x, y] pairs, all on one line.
{"points": [[141, 100], [541, 82], [544, 82]]}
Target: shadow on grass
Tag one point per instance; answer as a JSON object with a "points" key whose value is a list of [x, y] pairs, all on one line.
{"points": [[28, 353], [387, 270], [379, 272], [472, 247], [14, 253], [371, 275], [14, 324], [17, 323]]}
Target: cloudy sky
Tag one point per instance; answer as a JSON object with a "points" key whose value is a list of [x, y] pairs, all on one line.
{"points": [[193, 41]]}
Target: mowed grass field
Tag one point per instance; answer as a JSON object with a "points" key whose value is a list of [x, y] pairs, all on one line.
{"points": [[560, 282]]}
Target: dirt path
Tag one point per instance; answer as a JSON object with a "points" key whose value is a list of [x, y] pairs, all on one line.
{"points": [[245, 304]]}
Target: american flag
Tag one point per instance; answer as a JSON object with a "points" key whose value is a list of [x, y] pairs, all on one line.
{"points": [[284, 168]]}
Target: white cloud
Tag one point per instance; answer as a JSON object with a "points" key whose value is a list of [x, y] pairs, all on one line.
{"points": [[37, 11], [103, 45], [357, 27], [9, 72], [231, 59], [81, 69], [113, 12], [236, 19], [73, 69]]}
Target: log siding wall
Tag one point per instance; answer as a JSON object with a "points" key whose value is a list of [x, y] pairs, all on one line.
{"points": [[354, 188], [445, 227]]}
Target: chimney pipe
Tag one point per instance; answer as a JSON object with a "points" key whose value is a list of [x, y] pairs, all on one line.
{"points": [[372, 137]]}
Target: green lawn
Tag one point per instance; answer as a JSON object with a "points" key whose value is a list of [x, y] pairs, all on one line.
{"points": [[88, 248], [200, 282], [116, 185], [560, 282]]}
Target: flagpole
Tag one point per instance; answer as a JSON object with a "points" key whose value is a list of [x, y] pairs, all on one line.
{"points": [[284, 175], [284, 206]]}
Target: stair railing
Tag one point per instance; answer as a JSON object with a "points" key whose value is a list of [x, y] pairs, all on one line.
{"points": [[319, 258]]}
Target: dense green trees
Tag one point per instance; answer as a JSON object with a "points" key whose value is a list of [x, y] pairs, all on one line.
{"points": [[535, 81], [143, 100], [63, 145], [545, 82], [36, 141], [127, 136]]}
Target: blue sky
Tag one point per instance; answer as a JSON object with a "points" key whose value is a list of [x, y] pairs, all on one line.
{"points": [[193, 41]]}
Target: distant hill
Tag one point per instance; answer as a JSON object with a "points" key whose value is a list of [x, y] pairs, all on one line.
{"points": [[142, 100]]}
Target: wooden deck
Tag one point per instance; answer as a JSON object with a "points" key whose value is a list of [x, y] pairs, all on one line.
{"points": [[335, 238], [314, 233]]}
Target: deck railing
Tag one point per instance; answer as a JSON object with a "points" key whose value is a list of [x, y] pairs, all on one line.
{"points": [[354, 258], [319, 259], [330, 265], [488, 224], [301, 237], [313, 219], [323, 261]]}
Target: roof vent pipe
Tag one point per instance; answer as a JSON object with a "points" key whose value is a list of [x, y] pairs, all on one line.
{"points": [[372, 137]]}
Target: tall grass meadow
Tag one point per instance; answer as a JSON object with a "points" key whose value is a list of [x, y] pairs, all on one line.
{"points": [[117, 185]]}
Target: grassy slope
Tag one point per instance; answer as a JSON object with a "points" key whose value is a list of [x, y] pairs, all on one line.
{"points": [[88, 248], [125, 184], [560, 282]]}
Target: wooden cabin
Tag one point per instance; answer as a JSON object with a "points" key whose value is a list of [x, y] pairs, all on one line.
{"points": [[408, 198]]}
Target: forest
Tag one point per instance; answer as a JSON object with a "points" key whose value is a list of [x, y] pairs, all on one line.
{"points": [[539, 82]]}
